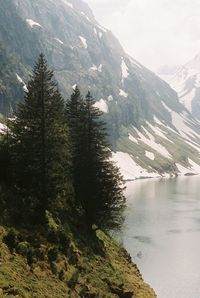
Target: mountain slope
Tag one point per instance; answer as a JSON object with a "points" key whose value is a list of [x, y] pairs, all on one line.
{"points": [[151, 132], [186, 82]]}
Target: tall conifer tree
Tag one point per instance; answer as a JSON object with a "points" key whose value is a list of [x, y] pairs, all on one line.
{"points": [[98, 183], [40, 146], [74, 109]]}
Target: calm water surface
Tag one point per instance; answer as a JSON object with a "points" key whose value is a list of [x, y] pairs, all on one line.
{"points": [[162, 234]]}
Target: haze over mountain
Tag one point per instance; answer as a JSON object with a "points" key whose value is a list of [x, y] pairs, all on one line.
{"points": [[151, 132], [185, 80]]}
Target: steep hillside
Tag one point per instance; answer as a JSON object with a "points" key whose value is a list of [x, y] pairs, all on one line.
{"points": [[185, 80], [36, 268], [151, 132]]}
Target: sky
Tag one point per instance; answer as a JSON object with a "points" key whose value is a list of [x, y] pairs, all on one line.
{"points": [[155, 32]]}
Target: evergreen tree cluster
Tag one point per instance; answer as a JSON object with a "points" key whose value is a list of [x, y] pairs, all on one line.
{"points": [[58, 159]]}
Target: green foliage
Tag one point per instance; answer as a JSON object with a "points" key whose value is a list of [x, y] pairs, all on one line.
{"points": [[52, 228], [61, 275], [40, 148], [11, 238], [54, 268], [97, 182], [5, 160], [56, 233], [23, 248], [64, 240], [73, 280], [52, 254]]}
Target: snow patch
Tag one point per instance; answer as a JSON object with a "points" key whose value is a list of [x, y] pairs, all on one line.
{"points": [[150, 155], [32, 23], [19, 79], [135, 63], [158, 131], [69, 4], [95, 31], [186, 99], [2, 128], [128, 167], [157, 121], [100, 34], [195, 167], [84, 41], [131, 138], [150, 141], [182, 170], [100, 68], [59, 41], [22, 82], [101, 105], [124, 70], [195, 146], [102, 28], [25, 88], [123, 93], [85, 16], [179, 122], [110, 98], [95, 68]]}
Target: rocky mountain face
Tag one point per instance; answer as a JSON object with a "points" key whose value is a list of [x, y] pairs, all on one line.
{"points": [[151, 132], [185, 80]]}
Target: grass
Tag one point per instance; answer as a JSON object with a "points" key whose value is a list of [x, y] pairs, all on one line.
{"points": [[89, 268]]}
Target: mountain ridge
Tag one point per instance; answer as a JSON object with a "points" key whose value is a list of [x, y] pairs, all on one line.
{"points": [[137, 104]]}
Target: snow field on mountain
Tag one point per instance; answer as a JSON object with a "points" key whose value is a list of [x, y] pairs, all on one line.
{"points": [[59, 41], [124, 70], [22, 82], [69, 4], [150, 155], [128, 167], [150, 141], [187, 98], [123, 93], [84, 41], [2, 128], [32, 23], [132, 139], [101, 105], [179, 122], [158, 131]]}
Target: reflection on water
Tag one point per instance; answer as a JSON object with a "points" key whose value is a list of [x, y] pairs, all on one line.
{"points": [[162, 233]]}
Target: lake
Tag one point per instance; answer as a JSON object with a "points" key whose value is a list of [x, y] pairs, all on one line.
{"points": [[162, 234]]}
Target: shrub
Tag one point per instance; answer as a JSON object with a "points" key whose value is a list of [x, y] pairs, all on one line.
{"points": [[22, 248], [52, 228], [11, 239], [64, 240], [73, 280], [52, 254], [30, 256], [54, 268], [61, 275]]}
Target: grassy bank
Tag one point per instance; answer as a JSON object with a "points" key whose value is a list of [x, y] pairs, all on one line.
{"points": [[87, 267]]}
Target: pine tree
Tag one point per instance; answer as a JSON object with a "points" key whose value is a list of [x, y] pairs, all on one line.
{"points": [[73, 112], [40, 147], [98, 184]]}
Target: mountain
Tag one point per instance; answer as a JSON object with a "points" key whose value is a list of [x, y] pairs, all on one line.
{"points": [[185, 80], [151, 132]]}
